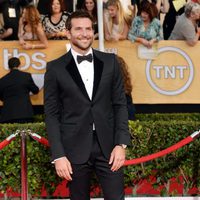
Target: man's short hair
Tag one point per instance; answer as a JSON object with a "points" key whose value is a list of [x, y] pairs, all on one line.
{"points": [[78, 14], [13, 62], [192, 7]]}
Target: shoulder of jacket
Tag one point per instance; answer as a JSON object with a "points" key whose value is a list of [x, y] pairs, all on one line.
{"points": [[101, 53], [23, 73], [56, 62]]}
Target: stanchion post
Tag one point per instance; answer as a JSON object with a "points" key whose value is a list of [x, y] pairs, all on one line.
{"points": [[24, 182]]}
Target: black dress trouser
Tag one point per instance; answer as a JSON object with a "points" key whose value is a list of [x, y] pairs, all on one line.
{"points": [[112, 183]]}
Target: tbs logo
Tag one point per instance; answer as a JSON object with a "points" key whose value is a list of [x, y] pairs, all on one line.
{"points": [[35, 61]]}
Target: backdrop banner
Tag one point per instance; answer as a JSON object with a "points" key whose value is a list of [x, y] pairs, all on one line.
{"points": [[172, 77]]}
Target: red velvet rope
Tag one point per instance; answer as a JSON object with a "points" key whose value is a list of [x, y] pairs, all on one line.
{"points": [[40, 139], [142, 159], [7, 141], [160, 153]]}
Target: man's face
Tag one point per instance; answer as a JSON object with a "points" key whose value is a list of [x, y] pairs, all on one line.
{"points": [[81, 34]]}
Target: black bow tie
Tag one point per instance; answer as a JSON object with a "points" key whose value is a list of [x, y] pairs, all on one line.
{"points": [[82, 58]]}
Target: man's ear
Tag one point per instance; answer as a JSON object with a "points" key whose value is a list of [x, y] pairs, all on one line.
{"points": [[68, 35]]}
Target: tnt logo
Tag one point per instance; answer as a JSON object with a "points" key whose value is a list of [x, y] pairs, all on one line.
{"points": [[171, 73]]}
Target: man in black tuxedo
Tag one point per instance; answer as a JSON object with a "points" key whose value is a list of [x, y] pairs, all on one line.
{"points": [[14, 92], [86, 114]]}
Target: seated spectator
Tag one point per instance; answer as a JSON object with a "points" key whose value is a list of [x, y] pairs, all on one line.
{"points": [[30, 29], [44, 7], [128, 5], [162, 5], [128, 87], [116, 21], [4, 33], [91, 7], [14, 93], [11, 10], [186, 27], [54, 23], [146, 28], [176, 8]]}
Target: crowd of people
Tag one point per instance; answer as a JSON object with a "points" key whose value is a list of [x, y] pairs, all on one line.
{"points": [[140, 21]]}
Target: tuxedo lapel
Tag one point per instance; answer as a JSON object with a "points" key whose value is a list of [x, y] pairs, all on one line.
{"points": [[98, 68], [73, 71]]}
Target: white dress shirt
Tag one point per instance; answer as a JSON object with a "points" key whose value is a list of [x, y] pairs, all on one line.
{"points": [[86, 70]]}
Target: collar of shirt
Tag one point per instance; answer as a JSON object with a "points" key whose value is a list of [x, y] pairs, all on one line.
{"points": [[74, 54]]}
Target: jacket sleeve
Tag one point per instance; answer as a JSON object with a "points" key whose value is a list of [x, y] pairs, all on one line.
{"points": [[32, 86], [52, 112], [122, 135]]}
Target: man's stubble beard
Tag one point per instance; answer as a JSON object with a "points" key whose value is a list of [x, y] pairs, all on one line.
{"points": [[77, 45]]}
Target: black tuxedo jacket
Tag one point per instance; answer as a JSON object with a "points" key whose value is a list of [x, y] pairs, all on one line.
{"points": [[14, 92], [70, 113]]}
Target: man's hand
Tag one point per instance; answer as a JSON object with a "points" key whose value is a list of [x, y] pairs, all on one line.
{"points": [[117, 158], [63, 168]]}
